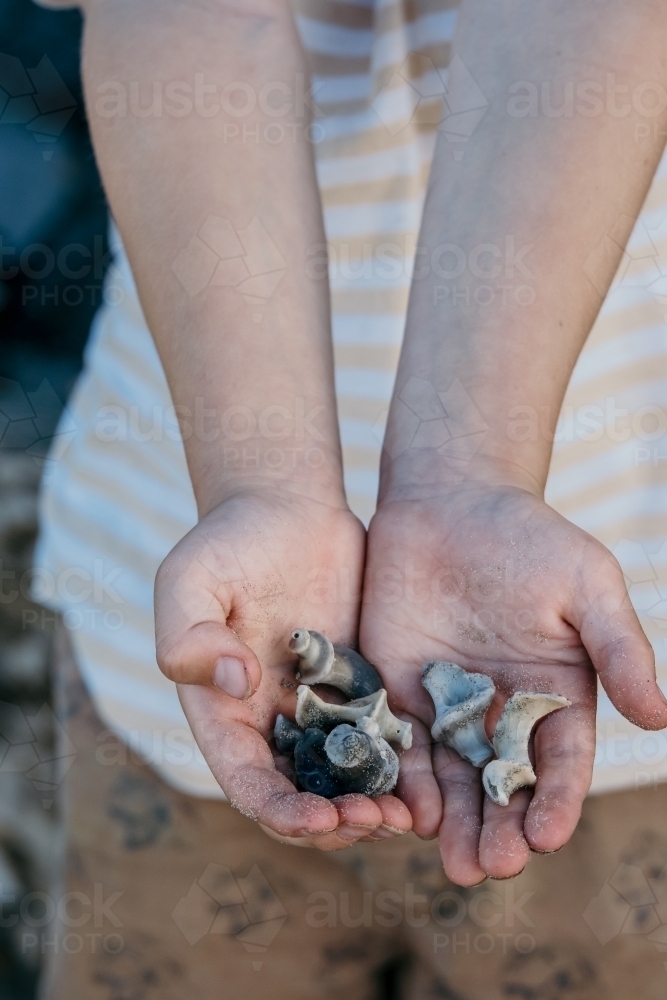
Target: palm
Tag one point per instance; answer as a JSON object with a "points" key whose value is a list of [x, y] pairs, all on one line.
{"points": [[269, 563], [261, 566], [489, 580]]}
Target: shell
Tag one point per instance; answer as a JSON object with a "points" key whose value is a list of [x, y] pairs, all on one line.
{"points": [[286, 735], [311, 710], [513, 769], [359, 760], [312, 765], [322, 662], [339, 749], [348, 759], [461, 700]]}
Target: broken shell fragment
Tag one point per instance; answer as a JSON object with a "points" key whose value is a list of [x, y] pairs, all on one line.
{"points": [[461, 700], [513, 769], [391, 767], [322, 662], [390, 758], [286, 735], [312, 711]]}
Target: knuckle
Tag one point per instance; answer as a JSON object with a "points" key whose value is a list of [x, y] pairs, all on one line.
{"points": [[170, 661], [569, 756]]}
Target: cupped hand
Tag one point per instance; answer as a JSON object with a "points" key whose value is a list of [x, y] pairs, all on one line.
{"points": [[226, 600], [496, 581]]}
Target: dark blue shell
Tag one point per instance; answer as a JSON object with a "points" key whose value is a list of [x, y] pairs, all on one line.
{"points": [[331, 776], [312, 766], [286, 735]]}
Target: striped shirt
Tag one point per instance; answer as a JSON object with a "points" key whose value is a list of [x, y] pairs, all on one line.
{"points": [[117, 496]]}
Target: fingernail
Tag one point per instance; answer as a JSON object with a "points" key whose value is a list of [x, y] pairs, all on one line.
{"points": [[391, 831], [386, 833], [349, 831], [305, 832], [504, 878], [230, 676]]}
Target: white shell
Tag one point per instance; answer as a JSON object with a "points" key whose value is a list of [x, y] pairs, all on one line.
{"points": [[322, 662], [513, 769], [312, 711], [461, 700]]}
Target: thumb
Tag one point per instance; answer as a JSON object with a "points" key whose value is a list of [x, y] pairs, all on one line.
{"points": [[194, 644], [617, 645], [209, 653]]}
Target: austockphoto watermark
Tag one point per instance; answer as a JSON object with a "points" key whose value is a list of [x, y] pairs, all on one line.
{"points": [[476, 922], [490, 273], [241, 261], [586, 98], [72, 923], [275, 423], [174, 747], [606, 420], [446, 98], [35, 98], [618, 748], [632, 899], [35, 745], [71, 275], [246, 261], [74, 619], [73, 585], [245, 907], [446, 594], [644, 573], [270, 440], [275, 100], [85, 594], [503, 583]]}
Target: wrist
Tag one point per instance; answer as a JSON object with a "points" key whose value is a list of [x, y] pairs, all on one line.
{"points": [[437, 440], [274, 443], [287, 471], [425, 474]]}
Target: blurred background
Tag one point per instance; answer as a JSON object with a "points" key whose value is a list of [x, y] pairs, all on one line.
{"points": [[53, 256]]}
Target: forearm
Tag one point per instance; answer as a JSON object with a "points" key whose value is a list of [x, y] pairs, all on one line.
{"points": [[251, 377], [535, 216]]}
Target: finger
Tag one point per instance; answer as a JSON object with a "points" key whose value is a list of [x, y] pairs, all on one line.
{"points": [[393, 820], [288, 841], [210, 654], [358, 816], [322, 842], [461, 826], [618, 647], [360, 819], [243, 766], [564, 754], [503, 849], [194, 594], [417, 786], [396, 818]]}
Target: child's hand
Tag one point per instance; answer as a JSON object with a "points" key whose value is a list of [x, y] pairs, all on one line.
{"points": [[497, 582], [226, 600]]}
